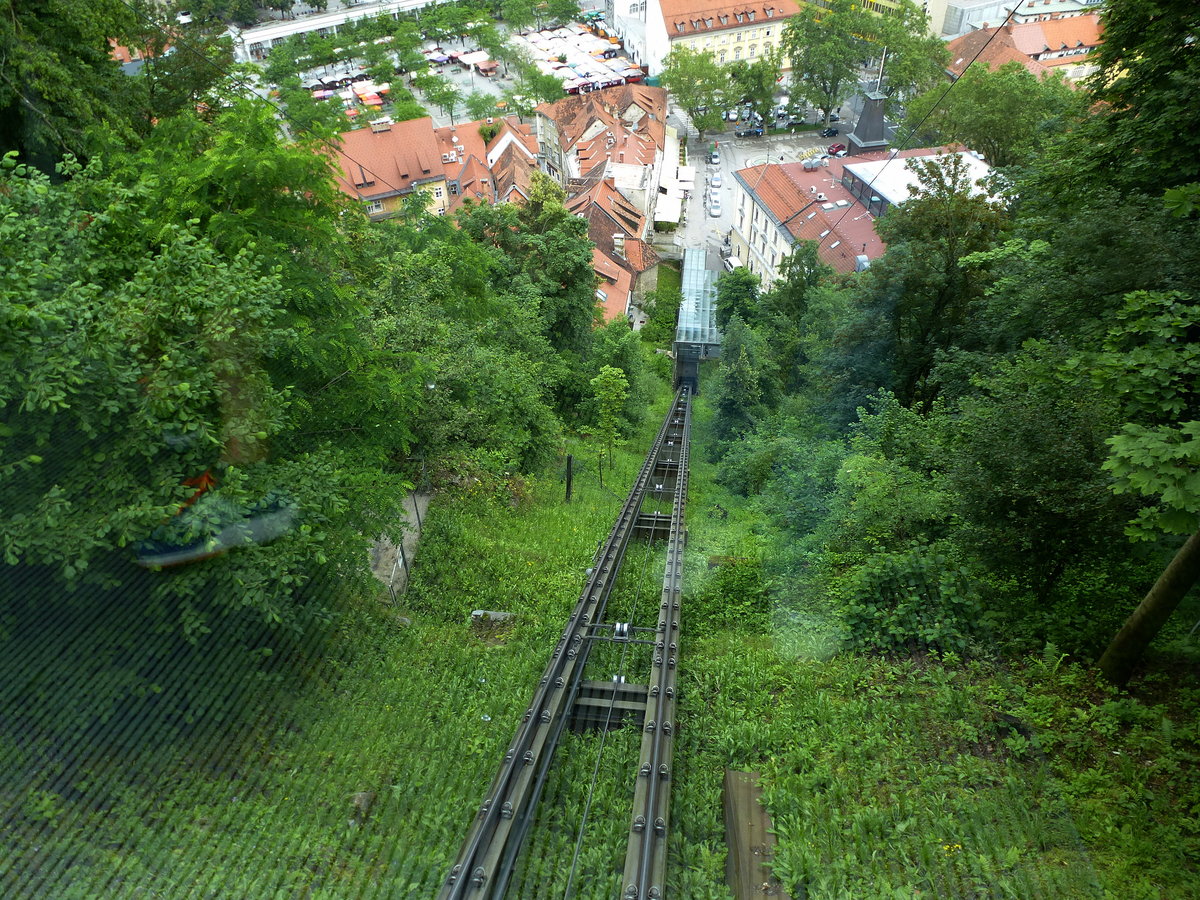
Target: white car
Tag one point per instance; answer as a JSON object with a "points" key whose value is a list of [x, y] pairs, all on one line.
{"points": [[716, 180], [714, 207]]}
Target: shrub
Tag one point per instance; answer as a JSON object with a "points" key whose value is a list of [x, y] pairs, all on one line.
{"points": [[913, 600]]}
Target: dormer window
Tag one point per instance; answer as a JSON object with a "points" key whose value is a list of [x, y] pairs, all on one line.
{"points": [[708, 22], [750, 15], [739, 17], [723, 19], [679, 27], [770, 12]]}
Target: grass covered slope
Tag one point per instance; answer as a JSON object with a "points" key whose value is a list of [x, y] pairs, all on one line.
{"points": [[355, 769]]}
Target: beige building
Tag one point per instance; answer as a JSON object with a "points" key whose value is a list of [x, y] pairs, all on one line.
{"points": [[833, 202], [651, 29]]}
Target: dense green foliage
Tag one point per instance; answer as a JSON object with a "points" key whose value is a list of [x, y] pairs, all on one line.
{"points": [[923, 500], [204, 305], [1007, 114], [828, 43], [1006, 391]]}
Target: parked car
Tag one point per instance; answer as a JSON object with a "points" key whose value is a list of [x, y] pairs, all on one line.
{"points": [[836, 150], [714, 207], [714, 158], [835, 118], [716, 180], [829, 132], [731, 115], [747, 129]]}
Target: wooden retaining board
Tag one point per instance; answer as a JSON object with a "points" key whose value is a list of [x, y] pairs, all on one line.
{"points": [[751, 843]]}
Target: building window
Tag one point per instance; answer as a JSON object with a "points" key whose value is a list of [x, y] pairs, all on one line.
{"points": [[724, 20], [454, 189], [721, 57], [753, 49], [737, 52], [739, 17], [374, 206], [770, 12], [750, 15]]}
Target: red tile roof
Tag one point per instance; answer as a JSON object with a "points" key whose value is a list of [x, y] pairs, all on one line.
{"points": [[704, 16], [992, 52], [641, 256], [464, 156], [1072, 32], [1021, 43], [790, 192], [393, 161], [634, 109], [616, 284], [603, 205]]}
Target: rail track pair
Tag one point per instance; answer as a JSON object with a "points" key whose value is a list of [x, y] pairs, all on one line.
{"points": [[488, 855]]}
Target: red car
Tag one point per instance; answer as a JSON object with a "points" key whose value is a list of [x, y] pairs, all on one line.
{"points": [[836, 149]]}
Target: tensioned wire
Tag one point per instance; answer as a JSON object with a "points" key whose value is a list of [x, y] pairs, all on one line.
{"points": [[917, 127]]}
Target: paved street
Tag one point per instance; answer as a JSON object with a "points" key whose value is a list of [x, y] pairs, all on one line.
{"points": [[709, 232]]}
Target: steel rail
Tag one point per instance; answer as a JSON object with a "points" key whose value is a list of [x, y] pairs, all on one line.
{"points": [[484, 863], [644, 877]]}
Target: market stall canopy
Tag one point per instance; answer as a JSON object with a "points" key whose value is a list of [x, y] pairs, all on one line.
{"points": [[473, 59], [668, 209]]}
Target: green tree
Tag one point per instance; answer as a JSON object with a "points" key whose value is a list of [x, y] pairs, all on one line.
{"points": [[134, 362], [179, 71], [914, 60], [697, 85], [800, 272], [738, 295], [1151, 360], [381, 62], [58, 79], [1033, 501], [618, 346], [546, 250], [1145, 133], [517, 14], [611, 390], [1008, 114], [559, 12], [480, 105], [739, 390], [921, 289], [662, 314], [754, 82], [307, 116], [825, 45], [440, 91]]}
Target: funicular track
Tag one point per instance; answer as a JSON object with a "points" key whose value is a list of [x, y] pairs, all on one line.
{"points": [[486, 859]]}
